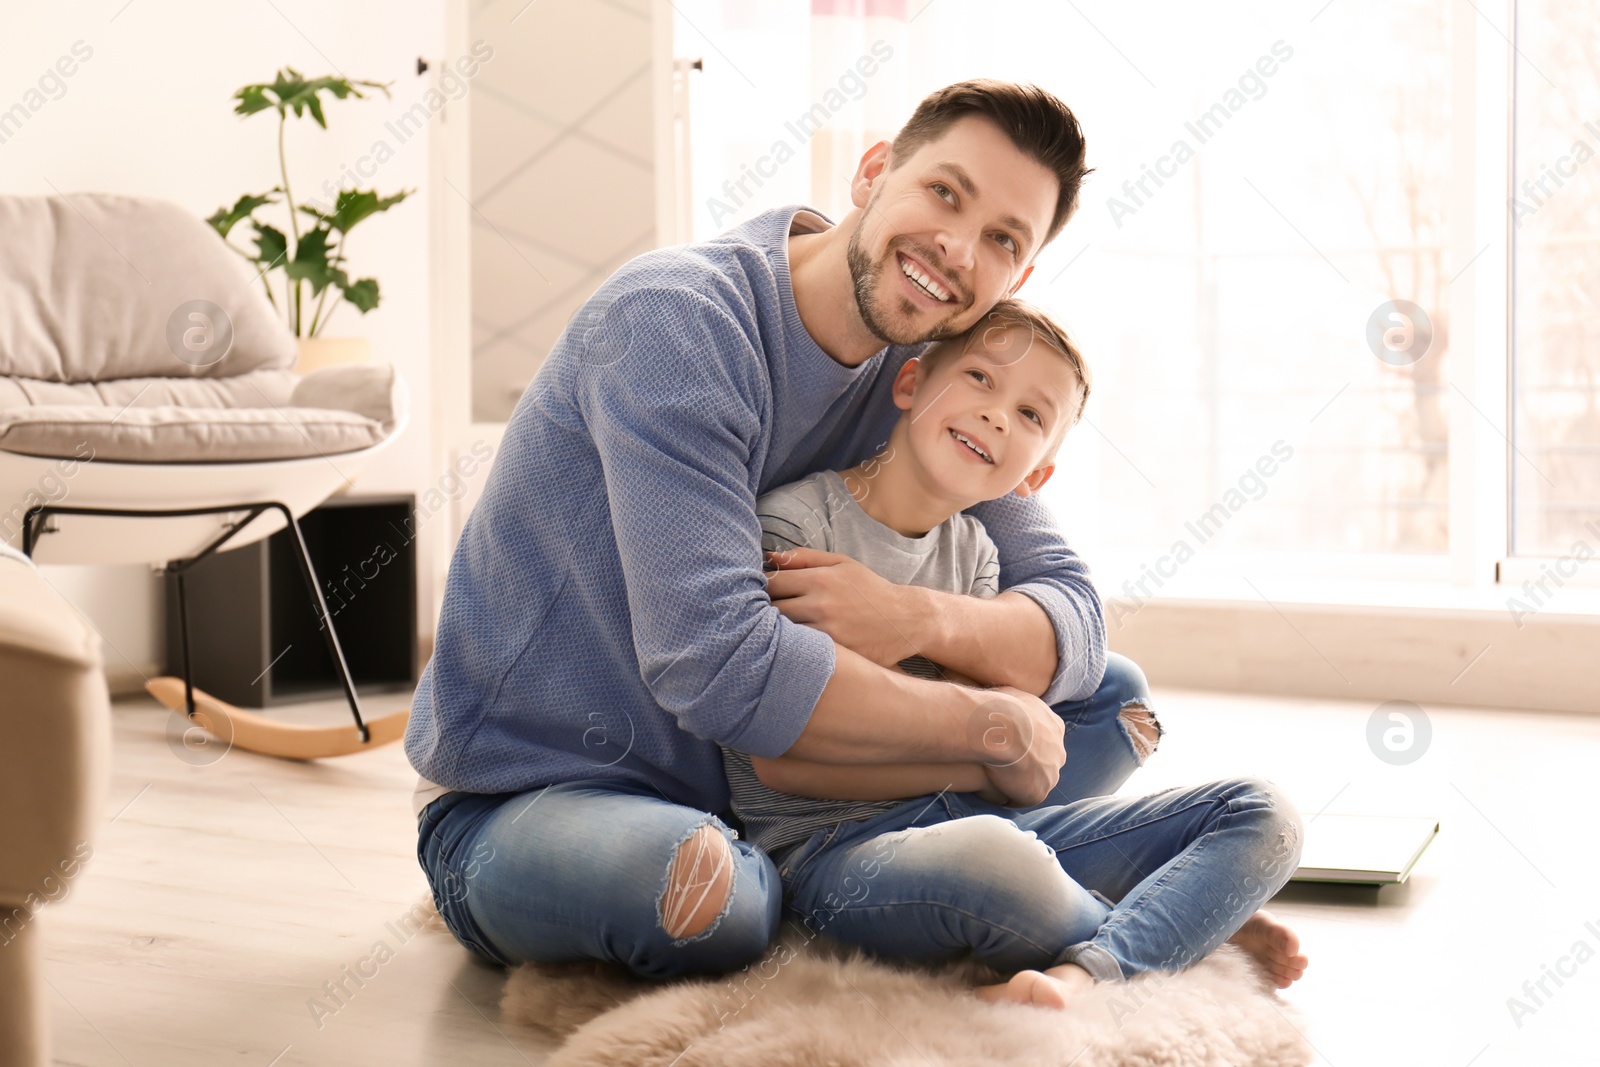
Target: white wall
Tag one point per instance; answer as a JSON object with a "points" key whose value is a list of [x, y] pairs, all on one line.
{"points": [[149, 113], [562, 175]]}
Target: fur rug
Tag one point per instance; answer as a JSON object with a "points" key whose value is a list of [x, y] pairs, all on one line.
{"points": [[811, 1002]]}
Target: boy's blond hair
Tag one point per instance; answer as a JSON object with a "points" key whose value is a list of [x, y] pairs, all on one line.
{"points": [[1019, 314]]}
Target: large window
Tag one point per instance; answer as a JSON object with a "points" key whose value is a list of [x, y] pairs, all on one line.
{"points": [[1556, 228], [1253, 220], [1291, 272]]}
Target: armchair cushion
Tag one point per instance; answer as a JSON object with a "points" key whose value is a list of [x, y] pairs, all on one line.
{"points": [[168, 434], [256, 389], [91, 284], [370, 389], [264, 415]]}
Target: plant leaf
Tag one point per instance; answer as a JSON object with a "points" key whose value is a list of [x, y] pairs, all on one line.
{"points": [[333, 276], [363, 294], [353, 205], [252, 98], [292, 91], [311, 261], [225, 218], [272, 247], [320, 216]]}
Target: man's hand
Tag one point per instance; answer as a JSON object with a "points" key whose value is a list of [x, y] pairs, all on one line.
{"points": [[1020, 740], [993, 795], [848, 601]]}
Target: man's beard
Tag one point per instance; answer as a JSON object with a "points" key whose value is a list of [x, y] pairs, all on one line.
{"points": [[866, 277]]}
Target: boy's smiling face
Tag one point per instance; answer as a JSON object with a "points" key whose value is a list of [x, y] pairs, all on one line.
{"points": [[985, 420]]}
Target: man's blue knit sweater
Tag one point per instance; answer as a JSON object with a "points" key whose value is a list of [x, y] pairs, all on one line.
{"points": [[605, 615]]}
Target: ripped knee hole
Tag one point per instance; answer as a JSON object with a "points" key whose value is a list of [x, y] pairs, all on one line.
{"points": [[698, 883], [1142, 728]]}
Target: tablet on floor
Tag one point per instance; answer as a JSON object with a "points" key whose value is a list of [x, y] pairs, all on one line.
{"points": [[1365, 849]]}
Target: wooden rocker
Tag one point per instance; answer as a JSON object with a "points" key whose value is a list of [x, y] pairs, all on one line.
{"points": [[237, 727]]}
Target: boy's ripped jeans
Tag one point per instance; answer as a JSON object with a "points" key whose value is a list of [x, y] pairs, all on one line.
{"points": [[610, 871], [1117, 885]]}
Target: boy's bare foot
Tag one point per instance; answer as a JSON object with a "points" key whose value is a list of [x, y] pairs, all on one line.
{"points": [[1274, 946], [1042, 989]]}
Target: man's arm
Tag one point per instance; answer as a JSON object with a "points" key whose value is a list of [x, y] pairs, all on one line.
{"points": [[1035, 566], [1014, 737], [1004, 640], [1018, 644], [872, 781], [877, 781], [1013, 639], [670, 391], [994, 640]]}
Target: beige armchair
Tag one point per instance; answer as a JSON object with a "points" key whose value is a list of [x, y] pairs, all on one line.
{"points": [[54, 768], [148, 414]]}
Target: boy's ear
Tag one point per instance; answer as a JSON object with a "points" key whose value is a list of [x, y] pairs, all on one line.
{"points": [[905, 383], [1024, 277], [1035, 480]]}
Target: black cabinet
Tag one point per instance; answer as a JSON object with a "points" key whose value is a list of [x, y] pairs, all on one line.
{"points": [[255, 639]]}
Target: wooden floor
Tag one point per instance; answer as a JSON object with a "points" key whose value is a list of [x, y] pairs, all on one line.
{"points": [[223, 894]]}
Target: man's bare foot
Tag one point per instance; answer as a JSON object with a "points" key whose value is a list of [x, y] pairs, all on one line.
{"points": [[1274, 946], [1042, 989]]}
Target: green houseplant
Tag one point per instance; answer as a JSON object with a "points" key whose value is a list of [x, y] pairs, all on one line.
{"points": [[315, 256]]}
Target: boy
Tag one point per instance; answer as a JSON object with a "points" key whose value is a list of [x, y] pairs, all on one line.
{"points": [[983, 414]]}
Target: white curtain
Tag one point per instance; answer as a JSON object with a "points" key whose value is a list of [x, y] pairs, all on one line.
{"points": [[857, 47], [790, 96]]}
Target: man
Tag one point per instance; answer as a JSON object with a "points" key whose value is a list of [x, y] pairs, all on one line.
{"points": [[606, 622]]}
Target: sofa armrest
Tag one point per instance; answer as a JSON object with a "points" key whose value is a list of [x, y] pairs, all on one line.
{"points": [[374, 390], [56, 720], [55, 717]]}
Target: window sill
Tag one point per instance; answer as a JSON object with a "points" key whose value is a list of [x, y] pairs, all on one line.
{"points": [[1428, 645], [1374, 597]]}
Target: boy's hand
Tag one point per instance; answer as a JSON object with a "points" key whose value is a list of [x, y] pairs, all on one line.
{"points": [[847, 600]]}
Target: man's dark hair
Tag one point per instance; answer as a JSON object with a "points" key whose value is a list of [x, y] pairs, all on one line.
{"points": [[1037, 122]]}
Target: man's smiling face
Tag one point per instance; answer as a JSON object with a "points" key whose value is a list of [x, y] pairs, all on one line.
{"points": [[947, 233]]}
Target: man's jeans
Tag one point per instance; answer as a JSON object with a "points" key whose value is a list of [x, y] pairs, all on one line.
{"points": [[578, 870]]}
